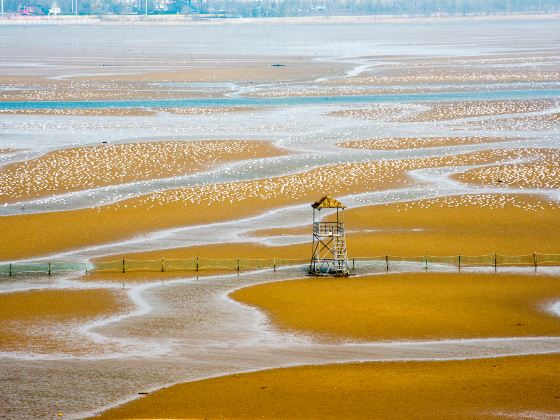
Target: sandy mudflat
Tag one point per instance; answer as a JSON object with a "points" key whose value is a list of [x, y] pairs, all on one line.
{"points": [[40, 234], [533, 122], [392, 143], [113, 112], [100, 88], [509, 386], [461, 70], [373, 112], [32, 321], [411, 306], [126, 112], [467, 225], [244, 70], [469, 109], [544, 173], [96, 166]]}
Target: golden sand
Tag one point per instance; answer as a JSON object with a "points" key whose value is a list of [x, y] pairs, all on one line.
{"points": [[113, 112], [467, 225], [418, 142], [208, 111], [467, 389], [469, 109], [460, 70], [127, 112], [412, 306], [40, 234], [543, 173], [371, 113], [32, 321], [94, 89], [95, 166]]}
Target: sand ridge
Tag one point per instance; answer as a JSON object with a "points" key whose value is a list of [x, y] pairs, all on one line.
{"points": [[392, 143], [451, 226], [50, 232], [544, 173], [393, 390], [412, 306], [89, 167]]}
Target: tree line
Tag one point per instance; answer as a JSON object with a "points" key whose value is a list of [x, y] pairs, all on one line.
{"points": [[274, 8]]}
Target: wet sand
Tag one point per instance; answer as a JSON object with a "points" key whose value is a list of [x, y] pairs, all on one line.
{"points": [[497, 388], [463, 224], [413, 306], [215, 336], [469, 109], [45, 233], [467, 225], [545, 174], [40, 321], [418, 142], [75, 169], [113, 112]]}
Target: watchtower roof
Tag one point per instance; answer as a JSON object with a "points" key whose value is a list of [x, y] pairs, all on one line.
{"points": [[328, 202]]}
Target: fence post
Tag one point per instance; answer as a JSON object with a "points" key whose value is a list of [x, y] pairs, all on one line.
{"points": [[123, 266], [426, 262], [162, 267], [238, 264], [196, 264], [49, 268], [495, 262], [274, 264], [387, 262], [535, 260], [10, 269], [353, 264], [459, 263]]}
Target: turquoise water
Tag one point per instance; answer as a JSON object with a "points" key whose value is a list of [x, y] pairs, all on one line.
{"points": [[285, 101]]}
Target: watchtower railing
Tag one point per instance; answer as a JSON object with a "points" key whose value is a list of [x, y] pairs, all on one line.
{"points": [[328, 228]]}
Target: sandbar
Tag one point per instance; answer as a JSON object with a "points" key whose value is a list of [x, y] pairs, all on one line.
{"points": [[411, 306], [89, 167], [37, 321], [464, 389]]}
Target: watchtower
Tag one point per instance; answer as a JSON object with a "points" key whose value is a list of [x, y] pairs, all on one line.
{"points": [[329, 243]]}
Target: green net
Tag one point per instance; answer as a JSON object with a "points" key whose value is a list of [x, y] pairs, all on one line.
{"points": [[214, 264], [108, 266], [233, 264], [31, 268], [69, 267], [180, 265], [256, 264], [477, 260], [5, 269], [447, 260], [143, 265], [549, 259], [286, 262], [515, 259], [392, 258]]}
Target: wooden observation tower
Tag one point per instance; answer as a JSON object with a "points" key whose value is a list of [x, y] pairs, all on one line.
{"points": [[329, 243]]}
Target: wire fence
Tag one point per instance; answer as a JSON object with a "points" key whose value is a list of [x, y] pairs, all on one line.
{"points": [[242, 264]]}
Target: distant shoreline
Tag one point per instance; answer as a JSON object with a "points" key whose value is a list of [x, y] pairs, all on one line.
{"points": [[13, 19]]}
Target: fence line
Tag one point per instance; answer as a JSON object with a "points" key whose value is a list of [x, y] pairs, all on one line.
{"points": [[242, 264]]}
